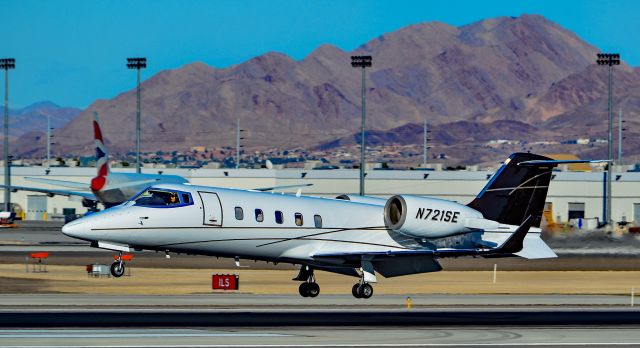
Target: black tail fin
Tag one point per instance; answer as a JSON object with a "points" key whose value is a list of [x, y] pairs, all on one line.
{"points": [[516, 190]]}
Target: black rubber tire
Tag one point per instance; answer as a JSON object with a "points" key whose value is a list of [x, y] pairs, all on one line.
{"points": [[365, 291], [313, 290], [302, 289], [355, 290], [117, 270]]}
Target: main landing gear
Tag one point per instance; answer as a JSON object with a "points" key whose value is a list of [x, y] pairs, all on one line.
{"points": [[362, 290], [308, 287], [117, 267]]}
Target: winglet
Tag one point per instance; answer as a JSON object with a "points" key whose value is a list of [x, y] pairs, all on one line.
{"points": [[515, 243]]}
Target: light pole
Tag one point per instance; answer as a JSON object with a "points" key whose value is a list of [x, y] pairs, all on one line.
{"points": [[138, 64], [7, 64], [609, 59], [238, 145], [48, 166], [362, 62], [426, 132], [620, 137]]}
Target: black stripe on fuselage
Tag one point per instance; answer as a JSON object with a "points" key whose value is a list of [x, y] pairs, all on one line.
{"points": [[251, 239]]}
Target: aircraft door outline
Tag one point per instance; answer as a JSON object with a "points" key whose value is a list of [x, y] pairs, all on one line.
{"points": [[211, 209]]}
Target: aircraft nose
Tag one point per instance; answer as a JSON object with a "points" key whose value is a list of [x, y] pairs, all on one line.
{"points": [[75, 229]]}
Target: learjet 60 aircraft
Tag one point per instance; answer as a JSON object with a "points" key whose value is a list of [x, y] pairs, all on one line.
{"points": [[350, 235]]}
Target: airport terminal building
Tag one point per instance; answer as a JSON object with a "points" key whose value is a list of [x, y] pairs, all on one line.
{"points": [[571, 195]]}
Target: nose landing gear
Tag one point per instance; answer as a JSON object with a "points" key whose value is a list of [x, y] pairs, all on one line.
{"points": [[308, 287], [117, 267]]}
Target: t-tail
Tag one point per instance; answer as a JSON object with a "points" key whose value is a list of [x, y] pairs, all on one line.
{"points": [[517, 190], [102, 159], [516, 195]]}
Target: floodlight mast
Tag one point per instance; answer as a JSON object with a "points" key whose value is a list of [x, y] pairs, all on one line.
{"points": [[609, 59], [138, 64], [362, 62], [7, 64]]}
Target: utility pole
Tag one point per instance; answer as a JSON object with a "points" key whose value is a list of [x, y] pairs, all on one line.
{"points": [[426, 132], [7, 64], [48, 166], [138, 64], [620, 137], [362, 62], [609, 59], [238, 144]]}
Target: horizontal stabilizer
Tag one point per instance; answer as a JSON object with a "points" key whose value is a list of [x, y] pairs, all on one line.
{"points": [[557, 162]]}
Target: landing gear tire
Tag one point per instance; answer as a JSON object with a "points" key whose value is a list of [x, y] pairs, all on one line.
{"points": [[354, 290], [362, 290], [365, 290], [309, 289], [117, 269], [303, 289], [313, 289]]}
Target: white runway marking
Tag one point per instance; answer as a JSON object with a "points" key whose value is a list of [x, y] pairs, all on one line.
{"points": [[529, 344], [127, 334]]}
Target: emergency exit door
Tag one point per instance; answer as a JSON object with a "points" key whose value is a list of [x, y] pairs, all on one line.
{"points": [[211, 209]]}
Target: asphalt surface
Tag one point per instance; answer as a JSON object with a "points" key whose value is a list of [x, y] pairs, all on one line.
{"points": [[254, 301], [508, 336], [314, 317]]}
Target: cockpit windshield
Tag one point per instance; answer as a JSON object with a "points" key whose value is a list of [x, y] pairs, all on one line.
{"points": [[162, 198]]}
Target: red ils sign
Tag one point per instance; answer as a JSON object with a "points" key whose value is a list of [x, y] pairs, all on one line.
{"points": [[225, 282]]}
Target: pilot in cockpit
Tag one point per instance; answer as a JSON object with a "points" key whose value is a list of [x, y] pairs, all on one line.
{"points": [[173, 199]]}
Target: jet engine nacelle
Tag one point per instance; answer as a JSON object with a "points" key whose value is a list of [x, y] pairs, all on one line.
{"points": [[432, 218]]}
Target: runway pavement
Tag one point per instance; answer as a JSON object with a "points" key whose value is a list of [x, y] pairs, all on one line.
{"points": [[325, 337], [39, 318], [253, 301]]}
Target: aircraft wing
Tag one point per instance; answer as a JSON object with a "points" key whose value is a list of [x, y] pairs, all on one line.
{"points": [[512, 245], [71, 184], [87, 195]]}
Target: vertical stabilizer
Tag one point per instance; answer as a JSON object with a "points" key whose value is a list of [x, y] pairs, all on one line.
{"points": [[516, 190], [102, 159]]}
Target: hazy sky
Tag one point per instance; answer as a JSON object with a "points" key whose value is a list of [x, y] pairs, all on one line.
{"points": [[74, 52]]}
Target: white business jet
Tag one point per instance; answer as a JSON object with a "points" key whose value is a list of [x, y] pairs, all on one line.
{"points": [[351, 235]]}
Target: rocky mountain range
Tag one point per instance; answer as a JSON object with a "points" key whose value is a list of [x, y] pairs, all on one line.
{"points": [[31, 121], [501, 78]]}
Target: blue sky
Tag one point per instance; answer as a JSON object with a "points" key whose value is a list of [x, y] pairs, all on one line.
{"points": [[74, 52]]}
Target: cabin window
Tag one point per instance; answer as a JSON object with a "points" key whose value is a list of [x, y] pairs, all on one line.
{"points": [[317, 220], [299, 221], [239, 213], [279, 217], [259, 215]]}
